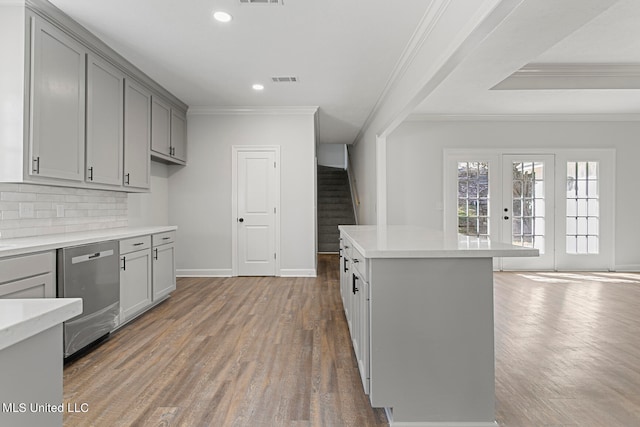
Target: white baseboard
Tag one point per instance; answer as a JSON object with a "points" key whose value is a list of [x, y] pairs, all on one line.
{"points": [[220, 272], [297, 272], [392, 423], [628, 267], [443, 424]]}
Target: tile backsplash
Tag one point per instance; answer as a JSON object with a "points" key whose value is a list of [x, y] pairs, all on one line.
{"points": [[31, 210]]}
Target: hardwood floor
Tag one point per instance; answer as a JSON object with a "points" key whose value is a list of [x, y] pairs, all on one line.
{"points": [[228, 352], [567, 349], [276, 352]]}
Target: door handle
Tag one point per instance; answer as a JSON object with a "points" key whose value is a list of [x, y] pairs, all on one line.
{"points": [[345, 264], [354, 288], [240, 219], [506, 217]]}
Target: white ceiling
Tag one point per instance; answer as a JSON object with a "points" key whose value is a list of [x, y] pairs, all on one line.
{"points": [[343, 52], [570, 50]]}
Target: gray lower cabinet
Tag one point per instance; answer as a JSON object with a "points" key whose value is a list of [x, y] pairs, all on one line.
{"points": [[57, 117], [135, 277], [104, 123], [137, 135], [361, 324], [164, 265], [29, 276]]}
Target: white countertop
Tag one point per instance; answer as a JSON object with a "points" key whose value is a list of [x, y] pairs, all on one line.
{"points": [[26, 245], [398, 241], [23, 318]]}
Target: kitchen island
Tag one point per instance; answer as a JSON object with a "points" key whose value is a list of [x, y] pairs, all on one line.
{"points": [[419, 307], [31, 360]]}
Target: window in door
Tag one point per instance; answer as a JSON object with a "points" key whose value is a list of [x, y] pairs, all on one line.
{"points": [[583, 208], [528, 200], [473, 199]]}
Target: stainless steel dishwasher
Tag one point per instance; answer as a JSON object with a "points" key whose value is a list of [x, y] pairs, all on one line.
{"points": [[90, 272]]}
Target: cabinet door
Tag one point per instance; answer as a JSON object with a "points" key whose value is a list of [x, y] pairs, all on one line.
{"points": [[137, 135], [57, 105], [178, 136], [135, 283], [104, 123], [42, 286], [160, 127], [365, 324], [164, 271]]}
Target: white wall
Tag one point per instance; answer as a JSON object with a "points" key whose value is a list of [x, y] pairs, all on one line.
{"points": [[415, 174], [200, 193], [333, 155], [146, 209], [447, 27]]}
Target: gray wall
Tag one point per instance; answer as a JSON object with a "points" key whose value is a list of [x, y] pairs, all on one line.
{"points": [[200, 193], [333, 155]]}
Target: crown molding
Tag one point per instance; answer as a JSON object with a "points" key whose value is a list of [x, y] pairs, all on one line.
{"points": [[524, 117], [543, 76], [212, 111], [431, 17]]}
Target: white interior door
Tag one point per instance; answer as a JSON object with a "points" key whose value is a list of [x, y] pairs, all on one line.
{"points": [[256, 213], [528, 209]]}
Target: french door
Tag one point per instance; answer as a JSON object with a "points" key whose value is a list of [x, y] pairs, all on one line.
{"points": [[528, 209], [560, 202]]}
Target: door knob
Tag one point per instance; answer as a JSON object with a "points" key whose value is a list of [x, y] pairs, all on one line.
{"points": [[240, 219], [506, 217]]}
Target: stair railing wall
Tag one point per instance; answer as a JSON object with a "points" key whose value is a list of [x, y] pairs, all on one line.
{"points": [[355, 199]]}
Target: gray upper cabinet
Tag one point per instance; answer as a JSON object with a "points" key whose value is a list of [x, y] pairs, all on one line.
{"points": [[65, 118], [160, 127], [168, 133], [57, 107], [137, 135], [178, 136], [105, 105]]}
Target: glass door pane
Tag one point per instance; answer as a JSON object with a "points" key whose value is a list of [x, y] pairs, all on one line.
{"points": [[528, 208]]}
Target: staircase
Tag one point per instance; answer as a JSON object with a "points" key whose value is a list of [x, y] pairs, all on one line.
{"points": [[335, 207]]}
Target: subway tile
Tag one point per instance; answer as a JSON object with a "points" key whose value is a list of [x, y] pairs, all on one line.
{"points": [[6, 215], [43, 206], [50, 197], [73, 198], [9, 196], [8, 187], [9, 206], [45, 214]]}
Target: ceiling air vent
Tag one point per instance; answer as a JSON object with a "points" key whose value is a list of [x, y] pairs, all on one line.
{"points": [[284, 79], [262, 1]]}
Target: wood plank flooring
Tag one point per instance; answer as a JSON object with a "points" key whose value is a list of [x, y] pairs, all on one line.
{"points": [[567, 349], [228, 352], [276, 352]]}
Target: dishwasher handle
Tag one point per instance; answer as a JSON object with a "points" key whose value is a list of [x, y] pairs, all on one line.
{"points": [[91, 256]]}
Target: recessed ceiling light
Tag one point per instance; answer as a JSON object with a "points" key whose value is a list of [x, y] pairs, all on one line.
{"points": [[258, 86], [221, 16]]}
